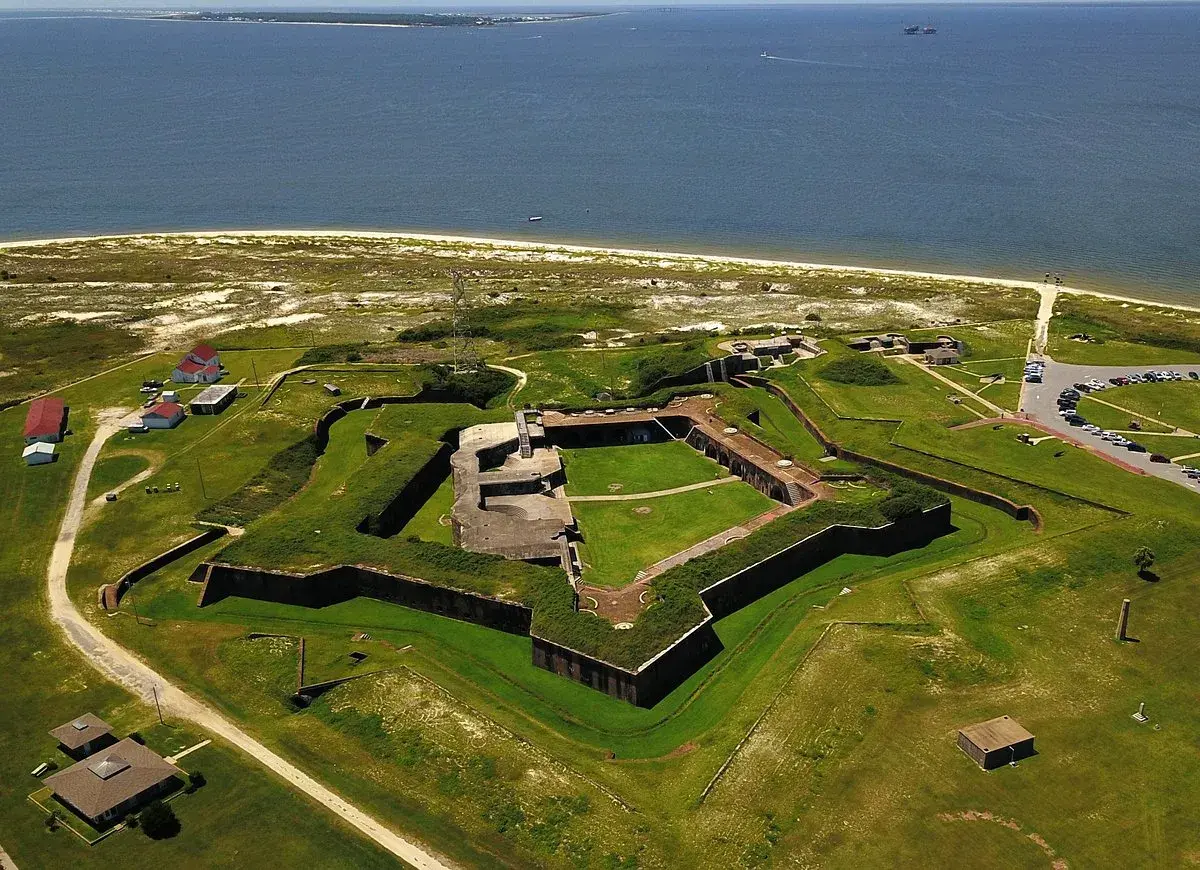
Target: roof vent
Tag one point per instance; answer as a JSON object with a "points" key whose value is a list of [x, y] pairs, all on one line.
{"points": [[109, 766]]}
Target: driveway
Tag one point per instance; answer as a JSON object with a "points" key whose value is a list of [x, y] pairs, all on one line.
{"points": [[1041, 400], [121, 666]]}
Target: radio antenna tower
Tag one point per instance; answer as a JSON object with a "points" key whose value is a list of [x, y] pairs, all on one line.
{"points": [[461, 344]]}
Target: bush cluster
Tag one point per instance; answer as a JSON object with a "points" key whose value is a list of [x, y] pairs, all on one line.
{"points": [[863, 371], [332, 353]]}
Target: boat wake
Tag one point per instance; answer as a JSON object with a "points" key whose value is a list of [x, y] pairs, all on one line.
{"points": [[804, 60]]}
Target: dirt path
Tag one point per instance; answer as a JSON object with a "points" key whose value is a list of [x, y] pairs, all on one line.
{"points": [[637, 496], [1041, 332], [121, 666], [522, 379], [6, 863]]}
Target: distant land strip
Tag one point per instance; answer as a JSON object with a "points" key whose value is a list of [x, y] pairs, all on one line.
{"points": [[375, 19]]}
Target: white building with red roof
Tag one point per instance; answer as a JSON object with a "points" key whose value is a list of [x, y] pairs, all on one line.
{"points": [[201, 365], [45, 421], [165, 415]]}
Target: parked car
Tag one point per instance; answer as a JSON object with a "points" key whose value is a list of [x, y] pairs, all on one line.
{"points": [[1134, 447], [1076, 420], [1158, 457], [1194, 376]]}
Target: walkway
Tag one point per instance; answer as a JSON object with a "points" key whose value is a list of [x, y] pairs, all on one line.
{"points": [[638, 496], [121, 666], [174, 759], [1041, 333], [958, 388]]}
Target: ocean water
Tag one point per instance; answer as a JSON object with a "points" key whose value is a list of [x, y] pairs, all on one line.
{"points": [[1016, 141]]}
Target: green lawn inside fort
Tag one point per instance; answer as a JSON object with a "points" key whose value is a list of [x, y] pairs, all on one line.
{"points": [[621, 538], [822, 730], [636, 468]]}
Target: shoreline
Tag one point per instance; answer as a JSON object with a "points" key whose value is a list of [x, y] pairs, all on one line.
{"points": [[551, 247]]}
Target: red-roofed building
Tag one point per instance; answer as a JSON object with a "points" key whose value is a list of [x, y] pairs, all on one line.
{"points": [[205, 354], [46, 420], [201, 365], [165, 415]]}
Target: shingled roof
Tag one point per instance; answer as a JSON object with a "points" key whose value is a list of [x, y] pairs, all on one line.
{"points": [[111, 777], [80, 731]]}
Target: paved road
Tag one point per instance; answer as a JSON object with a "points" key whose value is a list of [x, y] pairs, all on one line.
{"points": [[1040, 400], [121, 666]]}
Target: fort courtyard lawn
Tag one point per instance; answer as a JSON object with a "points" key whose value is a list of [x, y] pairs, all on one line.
{"points": [[621, 538]]}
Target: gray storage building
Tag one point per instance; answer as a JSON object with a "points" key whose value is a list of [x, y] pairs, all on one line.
{"points": [[213, 400]]}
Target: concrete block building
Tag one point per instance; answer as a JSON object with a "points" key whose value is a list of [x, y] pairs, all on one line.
{"points": [[213, 400], [996, 742]]}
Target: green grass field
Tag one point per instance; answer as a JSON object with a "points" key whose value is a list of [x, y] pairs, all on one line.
{"points": [[916, 394], [621, 538], [1167, 406], [46, 683], [636, 468], [827, 719]]}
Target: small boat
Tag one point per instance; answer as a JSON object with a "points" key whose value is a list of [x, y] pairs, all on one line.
{"points": [[911, 29], [764, 54], [929, 30], [535, 218]]}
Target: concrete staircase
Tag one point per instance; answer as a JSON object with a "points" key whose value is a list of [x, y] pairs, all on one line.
{"points": [[795, 495]]}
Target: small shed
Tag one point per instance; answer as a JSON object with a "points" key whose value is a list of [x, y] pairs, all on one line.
{"points": [[996, 742], [38, 453], [941, 356], [165, 415], [333, 390], [81, 737]]}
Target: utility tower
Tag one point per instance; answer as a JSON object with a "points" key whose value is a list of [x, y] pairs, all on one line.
{"points": [[461, 345]]}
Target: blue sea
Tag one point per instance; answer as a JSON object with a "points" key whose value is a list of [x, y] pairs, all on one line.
{"points": [[1017, 140]]}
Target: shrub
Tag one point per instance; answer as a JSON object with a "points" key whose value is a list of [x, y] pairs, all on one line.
{"points": [[159, 821], [899, 506], [195, 780], [478, 388], [332, 353], [862, 371], [668, 362]]}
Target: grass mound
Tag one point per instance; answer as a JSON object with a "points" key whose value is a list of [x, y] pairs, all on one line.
{"points": [[861, 371]]}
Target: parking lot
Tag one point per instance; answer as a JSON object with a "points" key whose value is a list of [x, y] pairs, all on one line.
{"points": [[1041, 400]]}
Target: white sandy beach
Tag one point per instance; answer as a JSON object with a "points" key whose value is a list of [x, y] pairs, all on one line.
{"points": [[665, 256]]}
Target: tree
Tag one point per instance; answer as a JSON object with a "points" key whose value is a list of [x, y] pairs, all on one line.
{"points": [[1143, 558], [195, 780], [158, 821], [53, 820]]}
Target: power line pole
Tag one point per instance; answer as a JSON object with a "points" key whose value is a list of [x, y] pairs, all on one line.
{"points": [[461, 346], [154, 689], [255, 369], [200, 471]]}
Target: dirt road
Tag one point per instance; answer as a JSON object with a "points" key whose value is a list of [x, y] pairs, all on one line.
{"points": [[121, 666]]}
